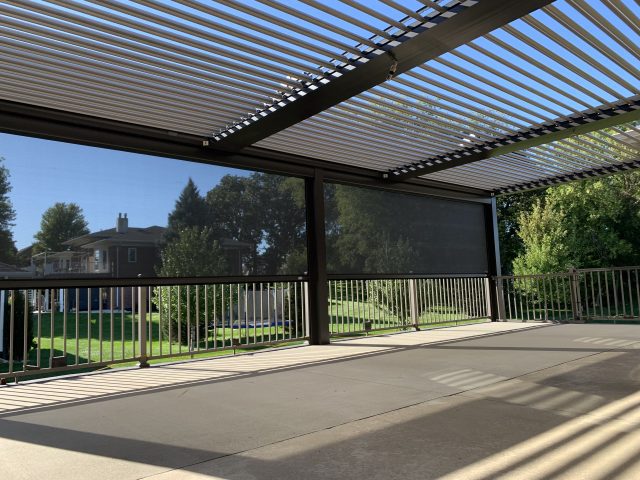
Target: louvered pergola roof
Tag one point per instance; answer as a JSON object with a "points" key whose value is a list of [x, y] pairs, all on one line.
{"points": [[494, 96]]}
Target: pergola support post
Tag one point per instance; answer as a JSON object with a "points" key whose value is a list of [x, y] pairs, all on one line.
{"points": [[318, 296], [495, 293]]}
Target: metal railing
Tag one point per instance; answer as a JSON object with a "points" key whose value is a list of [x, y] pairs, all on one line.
{"points": [[600, 294], [368, 304], [58, 329], [101, 323]]}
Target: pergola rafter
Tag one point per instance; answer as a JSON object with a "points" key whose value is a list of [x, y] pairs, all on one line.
{"points": [[430, 37], [566, 127], [489, 95]]}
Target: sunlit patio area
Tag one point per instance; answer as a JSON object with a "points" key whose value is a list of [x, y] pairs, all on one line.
{"points": [[343, 239], [483, 401]]}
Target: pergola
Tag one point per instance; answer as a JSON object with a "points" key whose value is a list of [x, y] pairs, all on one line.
{"points": [[460, 99]]}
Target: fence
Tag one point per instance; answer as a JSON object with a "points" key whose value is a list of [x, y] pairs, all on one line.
{"points": [[601, 294], [369, 304], [59, 329], [72, 328]]}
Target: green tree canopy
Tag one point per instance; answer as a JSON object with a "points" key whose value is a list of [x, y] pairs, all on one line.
{"points": [[235, 212], [589, 224], [190, 211], [7, 216], [194, 252], [509, 209], [61, 222]]}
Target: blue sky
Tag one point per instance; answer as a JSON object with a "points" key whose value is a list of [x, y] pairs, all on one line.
{"points": [[103, 182]]}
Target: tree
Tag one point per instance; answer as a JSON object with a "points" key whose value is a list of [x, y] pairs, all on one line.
{"points": [[589, 224], [61, 222], [509, 208], [7, 216], [194, 252], [190, 211], [236, 212], [283, 224]]}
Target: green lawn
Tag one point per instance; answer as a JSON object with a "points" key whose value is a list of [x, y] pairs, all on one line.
{"points": [[114, 338], [109, 338], [347, 316]]}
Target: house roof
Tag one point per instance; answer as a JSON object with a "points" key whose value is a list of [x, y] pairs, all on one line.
{"points": [[150, 236]]}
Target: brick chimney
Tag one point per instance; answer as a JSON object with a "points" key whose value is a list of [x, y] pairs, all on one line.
{"points": [[122, 224]]}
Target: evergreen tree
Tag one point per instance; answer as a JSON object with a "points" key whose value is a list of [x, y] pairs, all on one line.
{"points": [[7, 216], [190, 211]]}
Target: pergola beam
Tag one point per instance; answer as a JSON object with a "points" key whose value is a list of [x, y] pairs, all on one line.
{"points": [[602, 171], [36, 121], [436, 36], [586, 122]]}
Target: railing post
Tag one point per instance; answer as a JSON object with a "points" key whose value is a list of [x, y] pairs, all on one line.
{"points": [[142, 326], [576, 304], [497, 283], [413, 302], [495, 296]]}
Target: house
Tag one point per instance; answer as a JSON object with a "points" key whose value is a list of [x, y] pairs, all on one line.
{"points": [[119, 252]]}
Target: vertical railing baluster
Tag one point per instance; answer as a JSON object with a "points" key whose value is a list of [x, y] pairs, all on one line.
{"points": [[179, 314], [189, 335], [12, 315], [197, 319], [253, 311], [26, 320], [269, 310], [39, 319], [77, 290], [261, 314], [289, 316], [111, 323], [52, 327], [65, 309], [637, 292], [170, 321], [215, 317], [100, 336], [207, 319], [159, 291], [89, 312], [134, 306], [631, 306], [295, 306]]}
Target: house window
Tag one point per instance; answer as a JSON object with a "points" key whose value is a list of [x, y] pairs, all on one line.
{"points": [[132, 255], [96, 259], [104, 259]]}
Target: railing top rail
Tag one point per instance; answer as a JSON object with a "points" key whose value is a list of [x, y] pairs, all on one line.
{"points": [[564, 274], [409, 276], [606, 269], [43, 283], [532, 276]]}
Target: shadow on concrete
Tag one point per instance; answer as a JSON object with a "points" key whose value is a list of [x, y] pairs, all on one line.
{"points": [[111, 384], [480, 437]]}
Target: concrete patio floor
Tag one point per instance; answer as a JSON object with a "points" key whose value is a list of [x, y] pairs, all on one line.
{"points": [[484, 401]]}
